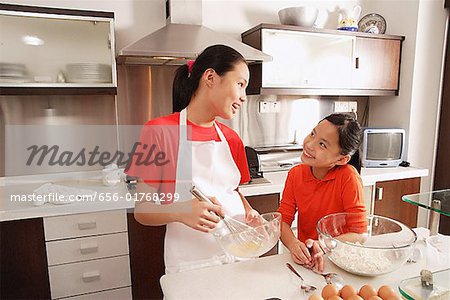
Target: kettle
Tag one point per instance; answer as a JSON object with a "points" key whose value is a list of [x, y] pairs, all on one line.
{"points": [[348, 18]]}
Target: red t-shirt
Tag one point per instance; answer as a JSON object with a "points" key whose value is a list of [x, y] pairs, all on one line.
{"points": [[159, 145], [341, 190]]}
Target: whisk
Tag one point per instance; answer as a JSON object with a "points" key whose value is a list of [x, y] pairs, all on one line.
{"points": [[242, 233]]}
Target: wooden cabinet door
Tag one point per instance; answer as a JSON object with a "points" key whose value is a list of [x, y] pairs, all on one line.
{"points": [[389, 203], [146, 258], [264, 204], [23, 260], [377, 64], [306, 59]]}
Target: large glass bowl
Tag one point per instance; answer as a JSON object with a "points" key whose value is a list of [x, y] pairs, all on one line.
{"points": [[252, 242], [365, 245]]}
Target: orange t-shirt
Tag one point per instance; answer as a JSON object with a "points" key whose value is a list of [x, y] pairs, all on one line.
{"points": [[341, 190]]}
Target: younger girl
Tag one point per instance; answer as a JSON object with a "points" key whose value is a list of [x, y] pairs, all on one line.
{"points": [[323, 184]]}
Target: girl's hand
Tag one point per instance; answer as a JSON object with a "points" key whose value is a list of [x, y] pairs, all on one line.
{"points": [[300, 254], [316, 254], [202, 217], [253, 218]]}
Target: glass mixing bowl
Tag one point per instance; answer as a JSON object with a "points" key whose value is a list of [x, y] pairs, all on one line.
{"points": [[252, 242], [365, 245]]}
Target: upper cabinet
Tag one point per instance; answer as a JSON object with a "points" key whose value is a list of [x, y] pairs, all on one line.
{"points": [[323, 62], [56, 51]]}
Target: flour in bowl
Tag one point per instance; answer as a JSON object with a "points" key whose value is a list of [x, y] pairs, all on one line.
{"points": [[361, 260]]}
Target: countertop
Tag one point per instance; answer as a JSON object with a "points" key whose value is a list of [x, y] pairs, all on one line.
{"points": [[268, 277], [369, 177], [117, 197]]}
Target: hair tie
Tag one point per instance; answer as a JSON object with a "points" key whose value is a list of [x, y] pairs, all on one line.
{"points": [[190, 65]]}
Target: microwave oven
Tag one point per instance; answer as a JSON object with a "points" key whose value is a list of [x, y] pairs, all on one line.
{"points": [[382, 147]]}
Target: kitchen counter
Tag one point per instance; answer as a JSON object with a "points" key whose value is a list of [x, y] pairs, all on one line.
{"points": [[268, 277], [119, 198], [104, 198], [369, 177]]}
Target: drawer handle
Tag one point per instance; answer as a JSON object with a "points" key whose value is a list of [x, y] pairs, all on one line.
{"points": [[91, 276], [87, 225], [87, 248]]}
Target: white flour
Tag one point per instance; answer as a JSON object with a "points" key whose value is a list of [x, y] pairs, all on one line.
{"points": [[360, 260]]}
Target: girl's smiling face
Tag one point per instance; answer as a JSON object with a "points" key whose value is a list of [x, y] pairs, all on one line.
{"points": [[229, 91], [321, 149]]}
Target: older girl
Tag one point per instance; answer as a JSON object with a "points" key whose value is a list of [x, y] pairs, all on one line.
{"points": [[195, 149]]}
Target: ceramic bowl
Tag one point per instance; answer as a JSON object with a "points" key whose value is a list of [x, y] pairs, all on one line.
{"points": [[304, 16]]}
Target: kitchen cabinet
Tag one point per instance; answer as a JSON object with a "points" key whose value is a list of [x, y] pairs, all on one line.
{"points": [[56, 51], [146, 258], [377, 64], [87, 254], [323, 62], [23, 260], [389, 203]]}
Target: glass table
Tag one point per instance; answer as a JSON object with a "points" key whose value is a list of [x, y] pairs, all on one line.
{"points": [[412, 288], [438, 202]]}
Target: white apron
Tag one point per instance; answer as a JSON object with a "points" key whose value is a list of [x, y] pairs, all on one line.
{"points": [[209, 166]]}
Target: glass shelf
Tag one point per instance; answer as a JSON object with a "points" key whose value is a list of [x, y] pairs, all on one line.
{"points": [[425, 200], [55, 49], [412, 289]]}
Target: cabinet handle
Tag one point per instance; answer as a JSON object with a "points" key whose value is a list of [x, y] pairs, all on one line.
{"points": [[357, 62], [379, 193], [86, 248], [87, 225], [91, 276]]}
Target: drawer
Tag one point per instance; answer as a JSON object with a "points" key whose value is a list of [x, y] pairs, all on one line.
{"points": [[89, 276], [71, 226], [118, 294], [80, 249]]}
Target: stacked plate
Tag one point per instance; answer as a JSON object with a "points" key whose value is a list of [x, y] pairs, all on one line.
{"points": [[88, 73], [13, 72]]}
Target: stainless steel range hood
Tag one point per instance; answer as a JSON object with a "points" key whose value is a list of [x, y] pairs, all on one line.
{"points": [[183, 38]]}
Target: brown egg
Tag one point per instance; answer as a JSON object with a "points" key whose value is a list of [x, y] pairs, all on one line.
{"points": [[375, 298], [386, 292], [315, 296], [329, 291], [335, 297], [347, 291], [396, 297], [354, 297], [367, 291]]}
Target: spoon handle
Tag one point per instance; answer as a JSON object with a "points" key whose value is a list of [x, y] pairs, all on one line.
{"points": [[293, 270]]}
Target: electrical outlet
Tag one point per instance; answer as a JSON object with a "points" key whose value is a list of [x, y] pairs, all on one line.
{"points": [[264, 107], [341, 106], [275, 107], [353, 106]]}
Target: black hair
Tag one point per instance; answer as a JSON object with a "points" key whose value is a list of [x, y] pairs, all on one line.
{"points": [[349, 131], [221, 58]]}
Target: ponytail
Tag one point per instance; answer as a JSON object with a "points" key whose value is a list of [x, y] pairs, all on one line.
{"points": [[220, 58]]}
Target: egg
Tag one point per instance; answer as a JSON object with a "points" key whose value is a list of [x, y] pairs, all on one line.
{"points": [[347, 291], [315, 296], [329, 291], [375, 298], [386, 292], [335, 297], [396, 297], [367, 291], [354, 297]]}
